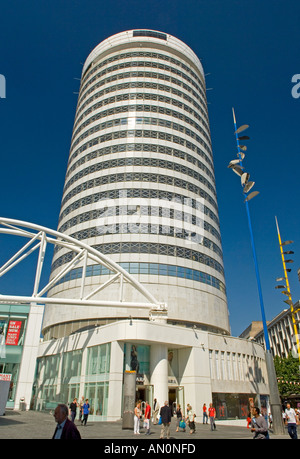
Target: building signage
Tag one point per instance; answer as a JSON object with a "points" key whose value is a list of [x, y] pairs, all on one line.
{"points": [[140, 379], [5, 377], [13, 332]]}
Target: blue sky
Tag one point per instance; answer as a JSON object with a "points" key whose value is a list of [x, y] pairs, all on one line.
{"points": [[250, 50]]}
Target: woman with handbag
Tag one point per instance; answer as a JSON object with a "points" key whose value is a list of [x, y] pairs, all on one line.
{"points": [[179, 421]]}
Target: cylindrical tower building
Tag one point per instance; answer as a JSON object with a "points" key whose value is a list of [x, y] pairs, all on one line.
{"points": [[140, 190], [140, 183]]}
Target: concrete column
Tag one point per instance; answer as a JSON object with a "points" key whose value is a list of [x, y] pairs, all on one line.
{"points": [[127, 349], [114, 405], [159, 372], [276, 407], [129, 399], [195, 377], [29, 356], [83, 373]]}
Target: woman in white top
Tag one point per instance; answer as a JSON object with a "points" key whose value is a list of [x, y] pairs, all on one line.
{"points": [[137, 415]]}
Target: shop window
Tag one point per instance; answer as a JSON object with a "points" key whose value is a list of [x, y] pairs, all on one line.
{"points": [[98, 360]]}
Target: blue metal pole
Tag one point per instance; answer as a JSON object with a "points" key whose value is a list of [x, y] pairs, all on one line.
{"points": [[266, 335]]}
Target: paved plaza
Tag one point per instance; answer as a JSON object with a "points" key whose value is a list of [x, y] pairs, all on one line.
{"points": [[41, 425]]}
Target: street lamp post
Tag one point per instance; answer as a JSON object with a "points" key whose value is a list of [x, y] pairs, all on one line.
{"points": [[287, 290], [237, 167]]}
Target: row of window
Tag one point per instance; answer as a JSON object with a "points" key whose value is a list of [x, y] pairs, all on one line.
{"points": [[140, 108], [139, 210], [142, 162], [136, 84], [142, 75], [148, 147], [147, 120], [154, 269], [140, 177], [69, 364], [148, 248], [162, 135], [147, 54], [142, 193], [140, 63], [142, 228], [141, 134], [149, 33]]}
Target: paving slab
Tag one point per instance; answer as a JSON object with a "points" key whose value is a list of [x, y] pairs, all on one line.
{"points": [[41, 425]]}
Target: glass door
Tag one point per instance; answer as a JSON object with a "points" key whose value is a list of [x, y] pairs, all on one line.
{"points": [[180, 398], [73, 392]]}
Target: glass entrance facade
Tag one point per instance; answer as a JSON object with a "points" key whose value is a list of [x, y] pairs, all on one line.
{"points": [[13, 322], [65, 378]]}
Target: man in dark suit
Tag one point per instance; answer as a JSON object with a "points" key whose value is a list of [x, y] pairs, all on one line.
{"points": [[166, 415], [65, 429]]}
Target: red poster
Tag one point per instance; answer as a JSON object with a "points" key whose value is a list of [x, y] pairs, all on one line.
{"points": [[5, 377], [13, 332]]}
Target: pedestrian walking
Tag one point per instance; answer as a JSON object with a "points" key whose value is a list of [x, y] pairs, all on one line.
{"points": [[155, 411], [65, 429], [85, 411], [270, 420], [212, 415], [147, 417], [191, 419], [73, 409], [136, 419], [205, 417], [80, 405], [291, 421], [249, 420], [179, 418], [166, 416], [259, 425]]}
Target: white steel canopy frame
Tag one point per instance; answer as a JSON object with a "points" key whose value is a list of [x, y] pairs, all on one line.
{"points": [[39, 237]]}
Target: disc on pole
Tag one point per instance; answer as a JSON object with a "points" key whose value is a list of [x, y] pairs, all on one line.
{"points": [[252, 195], [248, 186], [233, 163], [238, 170], [242, 128], [244, 178]]}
